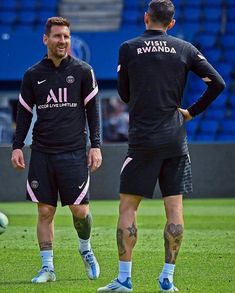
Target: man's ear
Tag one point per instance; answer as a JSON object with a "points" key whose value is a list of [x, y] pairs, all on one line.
{"points": [[146, 18], [171, 24], [45, 39]]}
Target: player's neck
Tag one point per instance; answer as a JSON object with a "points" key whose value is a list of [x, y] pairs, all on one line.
{"points": [[55, 60], [156, 27]]}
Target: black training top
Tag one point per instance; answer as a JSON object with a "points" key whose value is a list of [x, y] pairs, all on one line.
{"points": [[64, 96], [152, 73]]}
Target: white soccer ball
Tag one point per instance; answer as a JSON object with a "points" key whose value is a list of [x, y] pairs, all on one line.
{"points": [[3, 223]]}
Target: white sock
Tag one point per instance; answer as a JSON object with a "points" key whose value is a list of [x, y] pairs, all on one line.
{"points": [[124, 270], [84, 245], [47, 259], [167, 272]]}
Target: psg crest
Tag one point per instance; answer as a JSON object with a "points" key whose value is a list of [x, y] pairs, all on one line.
{"points": [[80, 49]]}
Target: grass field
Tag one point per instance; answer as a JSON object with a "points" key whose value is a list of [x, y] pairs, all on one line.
{"points": [[206, 263]]}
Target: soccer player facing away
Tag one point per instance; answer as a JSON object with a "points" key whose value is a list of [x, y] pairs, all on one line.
{"points": [[152, 73], [65, 93]]}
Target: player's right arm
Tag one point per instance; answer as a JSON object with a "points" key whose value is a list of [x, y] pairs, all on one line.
{"points": [[23, 121]]}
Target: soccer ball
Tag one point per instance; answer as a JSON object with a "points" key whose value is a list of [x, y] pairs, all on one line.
{"points": [[3, 223]]}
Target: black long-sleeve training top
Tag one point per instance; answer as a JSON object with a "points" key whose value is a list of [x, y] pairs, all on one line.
{"points": [[152, 73], [64, 97]]}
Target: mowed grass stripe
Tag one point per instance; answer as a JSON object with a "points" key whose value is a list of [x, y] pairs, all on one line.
{"points": [[206, 262]]}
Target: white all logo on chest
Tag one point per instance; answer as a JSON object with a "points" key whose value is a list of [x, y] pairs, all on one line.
{"points": [[62, 96]]}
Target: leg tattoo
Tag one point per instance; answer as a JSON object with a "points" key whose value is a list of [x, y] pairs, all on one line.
{"points": [[132, 230], [173, 235], [125, 243], [46, 245], [120, 242], [83, 226]]}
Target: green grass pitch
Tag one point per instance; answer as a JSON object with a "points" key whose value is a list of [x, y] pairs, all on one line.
{"points": [[206, 262]]}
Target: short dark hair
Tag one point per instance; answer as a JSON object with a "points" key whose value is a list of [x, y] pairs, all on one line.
{"points": [[56, 20], [161, 11]]}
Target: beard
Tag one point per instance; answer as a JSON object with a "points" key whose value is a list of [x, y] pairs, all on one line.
{"points": [[60, 53]]}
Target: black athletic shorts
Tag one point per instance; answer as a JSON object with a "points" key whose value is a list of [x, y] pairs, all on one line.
{"points": [[142, 169], [63, 174]]}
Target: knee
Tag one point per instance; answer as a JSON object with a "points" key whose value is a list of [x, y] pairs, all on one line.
{"points": [[80, 211], [46, 213], [128, 205]]}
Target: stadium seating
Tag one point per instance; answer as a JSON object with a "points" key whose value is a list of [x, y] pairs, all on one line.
{"points": [[208, 24]]}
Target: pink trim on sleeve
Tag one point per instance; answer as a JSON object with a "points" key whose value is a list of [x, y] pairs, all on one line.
{"points": [[25, 105], [91, 95]]}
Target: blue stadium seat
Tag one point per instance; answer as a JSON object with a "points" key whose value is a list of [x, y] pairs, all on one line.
{"points": [[130, 16], [176, 2], [8, 4], [24, 28], [225, 137], [192, 14], [211, 3], [129, 4], [43, 15], [211, 27], [224, 69], [192, 127], [5, 28], [189, 3], [212, 14], [213, 55], [198, 86], [232, 103], [8, 17], [230, 4], [206, 40], [231, 13], [52, 4], [201, 137], [229, 55], [230, 28], [29, 4], [231, 113], [27, 17], [208, 126], [192, 27], [228, 41], [214, 114], [228, 126], [220, 102]]}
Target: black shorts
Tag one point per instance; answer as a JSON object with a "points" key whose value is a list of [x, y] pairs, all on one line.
{"points": [[142, 169], [63, 174]]}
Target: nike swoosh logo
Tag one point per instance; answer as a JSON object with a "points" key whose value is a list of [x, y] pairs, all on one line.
{"points": [[80, 186], [41, 81]]}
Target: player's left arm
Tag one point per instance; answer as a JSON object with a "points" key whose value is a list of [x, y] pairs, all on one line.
{"points": [[91, 103], [122, 70], [215, 83]]}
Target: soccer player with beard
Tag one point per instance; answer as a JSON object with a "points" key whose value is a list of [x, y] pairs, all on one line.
{"points": [[65, 93]]}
